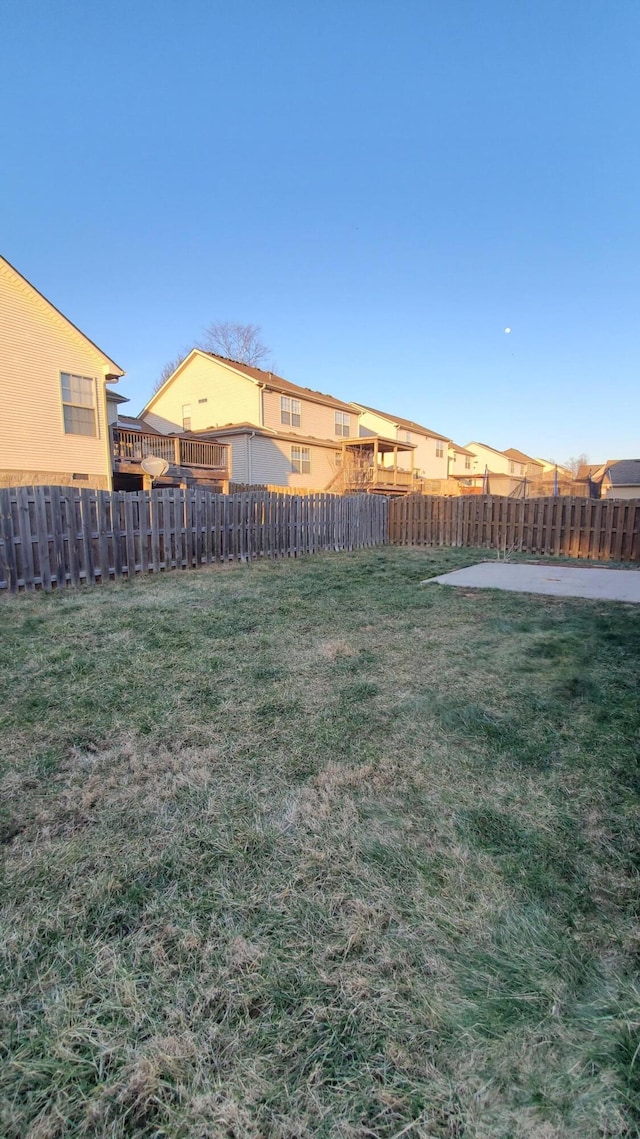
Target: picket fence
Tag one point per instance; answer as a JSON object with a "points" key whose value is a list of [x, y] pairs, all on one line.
{"points": [[54, 536], [601, 529]]}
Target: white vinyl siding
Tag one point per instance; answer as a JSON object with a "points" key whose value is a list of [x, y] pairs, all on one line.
{"points": [[38, 345], [317, 420], [78, 404], [216, 394]]}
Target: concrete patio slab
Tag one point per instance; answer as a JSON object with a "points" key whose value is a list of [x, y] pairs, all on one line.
{"points": [[561, 581]]}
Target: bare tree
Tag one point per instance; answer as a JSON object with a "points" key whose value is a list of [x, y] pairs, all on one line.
{"points": [[237, 342], [575, 462], [169, 369]]}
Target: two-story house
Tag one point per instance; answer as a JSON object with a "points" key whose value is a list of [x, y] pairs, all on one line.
{"points": [[279, 433], [430, 449], [53, 384], [464, 468]]}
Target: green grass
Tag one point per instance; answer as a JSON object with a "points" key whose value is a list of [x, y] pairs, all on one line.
{"points": [[308, 849]]}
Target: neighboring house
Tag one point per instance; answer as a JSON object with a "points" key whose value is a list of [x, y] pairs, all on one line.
{"points": [[280, 433], [589, 477], [533, 468], [430, 449], [622, 479], [464, 468], [54, 426], [497, 462], [500, 474]]}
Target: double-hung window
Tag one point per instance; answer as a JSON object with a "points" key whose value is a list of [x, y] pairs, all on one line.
{"points": [[186, 417], [343, 423], [290, 411], [467, 462], [439, 449], [301, 460], [78, 404]]}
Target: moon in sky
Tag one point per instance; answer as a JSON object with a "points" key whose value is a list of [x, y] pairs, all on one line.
{"points": [[507, 330]]}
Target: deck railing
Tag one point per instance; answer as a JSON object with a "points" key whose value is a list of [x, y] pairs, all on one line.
{"points": [[133, 446], [365, 476]]}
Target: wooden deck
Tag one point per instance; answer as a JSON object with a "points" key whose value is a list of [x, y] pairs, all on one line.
{"points": [[191, 461]]}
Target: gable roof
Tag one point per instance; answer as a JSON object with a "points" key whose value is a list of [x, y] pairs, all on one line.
{"points": [[486, 447], [626, 472], [401, 422], [115, 369], [593, 472], [513, 453], [258, 376], [247, 428], [462, 450]]}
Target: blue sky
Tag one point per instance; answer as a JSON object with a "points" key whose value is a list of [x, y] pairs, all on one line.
{"points": [[382, 185]]}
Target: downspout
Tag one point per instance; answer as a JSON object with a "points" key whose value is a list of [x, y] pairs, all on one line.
{"points": [[249, 464]]}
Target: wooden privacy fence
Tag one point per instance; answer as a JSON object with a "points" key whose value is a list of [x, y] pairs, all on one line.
{"points": [[53, 536], [602, 529]]}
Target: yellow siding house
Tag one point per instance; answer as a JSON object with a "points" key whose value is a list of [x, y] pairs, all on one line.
{"points": [[279, 433], [430, 456], [54, 424]]}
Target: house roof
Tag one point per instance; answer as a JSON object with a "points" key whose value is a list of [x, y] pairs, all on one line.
{"points": [[258, 376], [131, 423], [265, 432], [116, 370], [626, 472], [520, 457], [278, 384], [115, 397], [462, 450], [385, 443], [593, 471], [401, 422], [486, 447]]}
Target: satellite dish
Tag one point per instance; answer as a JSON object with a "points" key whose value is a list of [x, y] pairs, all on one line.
{"points": [[155, 466]]}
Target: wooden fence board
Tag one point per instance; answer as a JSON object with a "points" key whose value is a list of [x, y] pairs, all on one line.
{"points": [[53, 536], [606, 529]]}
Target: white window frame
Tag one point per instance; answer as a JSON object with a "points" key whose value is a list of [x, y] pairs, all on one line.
{"points": [[342, 424], [186, 417], [467, 462], [78, 404], [300, 460], [439, 449], [512, 467], [290, 411]]}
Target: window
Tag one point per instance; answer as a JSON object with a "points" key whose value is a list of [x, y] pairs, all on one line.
{"points": [[439, 448], [301, 460], [186, 417], [290, 411], [407, 436], [343, 423], [467, 462], [78, 404], [512, 468], [337, 458]]}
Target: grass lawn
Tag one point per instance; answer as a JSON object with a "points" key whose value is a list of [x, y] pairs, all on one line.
{"points": [[305, 849]]}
